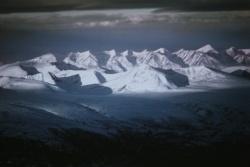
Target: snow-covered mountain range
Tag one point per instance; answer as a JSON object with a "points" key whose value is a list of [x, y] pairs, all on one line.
{"points": [[174, 91], [131, 71]]}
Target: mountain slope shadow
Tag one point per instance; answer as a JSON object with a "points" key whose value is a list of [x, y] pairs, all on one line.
{"points": [[63, 66], [177, 60], [241, 73], [29, 69], [178, 79], [74, 84]]}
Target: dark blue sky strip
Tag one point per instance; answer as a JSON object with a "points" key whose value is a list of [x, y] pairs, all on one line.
{"points": [[7, 6]]}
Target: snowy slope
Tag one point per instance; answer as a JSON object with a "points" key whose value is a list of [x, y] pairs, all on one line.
{"points": [[157, 59], [37, 77], [141, 79], [45, 70], [12, 70], [44, 65], [200, 57], [87, 77], [85, 60], [44, 59], [118, 62], [204, 77], [37, 69], [25, 84], [241, 56], [200, 73], [207, 49]]}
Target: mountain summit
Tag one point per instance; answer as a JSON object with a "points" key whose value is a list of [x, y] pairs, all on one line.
{"points": [[84, 60], [207, 49]]}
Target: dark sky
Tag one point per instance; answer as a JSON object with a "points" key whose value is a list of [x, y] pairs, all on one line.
{"points": [[53, 5], [27, 35]]}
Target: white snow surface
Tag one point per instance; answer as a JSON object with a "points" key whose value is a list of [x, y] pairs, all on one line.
{"points": [[24, 84], [141, 79], [43, 64], [88, 77], [12, 70], [200, 73], [47, 58], [45, 70], [202, 77]]}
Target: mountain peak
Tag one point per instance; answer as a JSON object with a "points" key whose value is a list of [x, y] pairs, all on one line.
{"points": [[241, 56], [111, 52], [82, 60], [144, 78], [207, 49], [86, 54], [160, 50], [47, 58], [118, 63], [199, 57], [178, 51], [246, 51], [141, 53], [233, 50], [124, 53]]}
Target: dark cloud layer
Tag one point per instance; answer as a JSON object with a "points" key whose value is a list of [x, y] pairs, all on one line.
{"points": [[54, 5], [117, 19]]}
